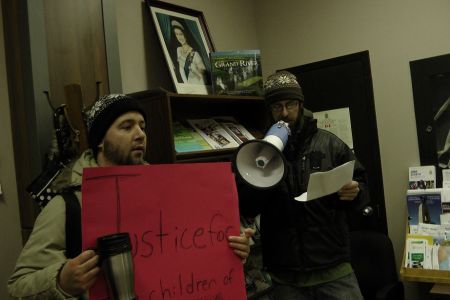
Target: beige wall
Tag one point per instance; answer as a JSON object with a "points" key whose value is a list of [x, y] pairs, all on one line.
{"points": [[291, 33], [232, 25], [10, 237], [394, 32]]}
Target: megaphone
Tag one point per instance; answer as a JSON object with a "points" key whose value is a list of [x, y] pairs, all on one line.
{"points": [[261, 163]]}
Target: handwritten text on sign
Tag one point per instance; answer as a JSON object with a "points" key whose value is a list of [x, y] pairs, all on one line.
{"points": [[178, 217]]}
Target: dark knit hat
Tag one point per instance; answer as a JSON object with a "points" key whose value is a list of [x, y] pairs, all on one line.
{"points": [[280, 86], [104, 112]]}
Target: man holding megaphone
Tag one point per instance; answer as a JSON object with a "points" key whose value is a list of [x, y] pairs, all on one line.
{"points": [[305, 244]]}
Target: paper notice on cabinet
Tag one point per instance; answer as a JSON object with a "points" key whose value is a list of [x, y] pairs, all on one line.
{"points": [[324, 183], [336, 121]]}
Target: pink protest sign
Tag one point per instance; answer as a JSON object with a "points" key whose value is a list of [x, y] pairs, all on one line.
{"points": [[178, 217]]}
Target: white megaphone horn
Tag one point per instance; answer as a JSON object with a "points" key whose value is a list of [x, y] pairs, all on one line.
{"points": [[261, 163]]}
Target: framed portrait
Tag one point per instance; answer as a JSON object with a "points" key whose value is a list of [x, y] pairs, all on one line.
{"points": [[186, 44]]}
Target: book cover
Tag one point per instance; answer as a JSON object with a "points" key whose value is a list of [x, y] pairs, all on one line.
{"points": [[186, 139], [445, 201], [418, 251], [236, 130], [422, 177], [443, 255], [424, 206], [446, 178], [236, 72], [213, 133]]}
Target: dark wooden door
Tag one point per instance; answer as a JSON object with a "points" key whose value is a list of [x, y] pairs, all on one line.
{"points": [[75, 42], [431, 87], [76, 48], [341, 82]]}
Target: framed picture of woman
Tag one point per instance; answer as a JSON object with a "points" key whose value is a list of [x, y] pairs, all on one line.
{"points": [[186, 44]]}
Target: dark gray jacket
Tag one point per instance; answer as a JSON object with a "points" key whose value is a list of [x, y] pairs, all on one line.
{"points": [[304, 236]]}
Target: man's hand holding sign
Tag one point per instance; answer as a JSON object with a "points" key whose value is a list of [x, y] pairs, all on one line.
{"points": [[182, 220]]}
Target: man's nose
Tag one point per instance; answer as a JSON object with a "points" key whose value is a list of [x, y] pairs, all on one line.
{"points": [[284, 112], [140, 133]]}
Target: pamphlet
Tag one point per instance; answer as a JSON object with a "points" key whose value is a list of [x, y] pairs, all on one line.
{"points": [[239, 133], [214, 134], [422, 177]]}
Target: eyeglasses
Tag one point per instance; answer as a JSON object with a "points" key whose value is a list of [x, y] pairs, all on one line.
{"points": [[278, 107]]}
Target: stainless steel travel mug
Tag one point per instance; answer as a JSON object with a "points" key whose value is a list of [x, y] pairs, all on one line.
{"points": [[117, 265]]}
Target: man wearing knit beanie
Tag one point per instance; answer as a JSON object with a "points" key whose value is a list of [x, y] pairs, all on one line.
{"points": [[306, 244], [284, 97], [116, 135], [112, 145], [45, 269]]}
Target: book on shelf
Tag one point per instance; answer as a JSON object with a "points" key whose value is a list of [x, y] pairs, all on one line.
{"points": [[428, 242], [419, 251], [445, 202], [442, 255], [422, 177], [213, 133], [236, 72], [236, 130], [186, 139], [446, 178], [425, 252], [424, 206]]}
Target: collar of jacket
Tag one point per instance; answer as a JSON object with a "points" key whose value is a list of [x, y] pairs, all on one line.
{"points": [[305, 127], [305, 123]]}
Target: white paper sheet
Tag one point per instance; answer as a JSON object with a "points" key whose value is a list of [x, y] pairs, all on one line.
{"points": [[324, 183]]}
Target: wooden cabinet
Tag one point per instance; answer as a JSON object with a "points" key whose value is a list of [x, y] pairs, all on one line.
{"points": [[163, 108]]}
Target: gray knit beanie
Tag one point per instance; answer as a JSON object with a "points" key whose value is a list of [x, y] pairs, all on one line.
{"points": [[280, 86], [104, 112]]}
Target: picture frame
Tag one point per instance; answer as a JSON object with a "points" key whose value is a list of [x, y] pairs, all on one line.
{"points": [[186, 44]]}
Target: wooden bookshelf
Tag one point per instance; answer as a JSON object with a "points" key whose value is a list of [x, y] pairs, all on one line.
{"points": [[163, 108], [423, 275]]}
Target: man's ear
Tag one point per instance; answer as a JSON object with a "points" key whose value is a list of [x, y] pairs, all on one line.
{"points": [[100, 147]]}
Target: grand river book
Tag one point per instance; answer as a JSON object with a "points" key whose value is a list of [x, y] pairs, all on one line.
{"points": [[236, 72]]}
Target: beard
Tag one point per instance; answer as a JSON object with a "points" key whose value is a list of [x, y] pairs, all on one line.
{"points": [[118, 156]]}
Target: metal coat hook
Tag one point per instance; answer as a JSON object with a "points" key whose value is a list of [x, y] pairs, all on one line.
{"points": [[47, 95]]}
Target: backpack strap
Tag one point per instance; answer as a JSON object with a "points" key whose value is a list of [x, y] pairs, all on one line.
{"points": [[73, 224]]}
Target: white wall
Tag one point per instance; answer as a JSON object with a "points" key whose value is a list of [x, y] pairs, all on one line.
{"points": [[10, 236], [137, 75], [291, 33], [395, 33]]}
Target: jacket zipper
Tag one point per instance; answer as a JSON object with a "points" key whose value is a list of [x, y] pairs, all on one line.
{"points": [[303, 170]]}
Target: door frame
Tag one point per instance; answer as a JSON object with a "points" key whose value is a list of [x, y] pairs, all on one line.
{"points": [[365, 133], [423, 72]]}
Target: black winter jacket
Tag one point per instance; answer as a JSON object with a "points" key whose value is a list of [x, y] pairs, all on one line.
{"points": [[304, 236]]}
